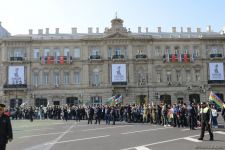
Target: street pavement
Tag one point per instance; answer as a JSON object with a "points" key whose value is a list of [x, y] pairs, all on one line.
{"points": [[61, 135]]}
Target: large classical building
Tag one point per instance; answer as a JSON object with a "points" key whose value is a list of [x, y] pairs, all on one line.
{"points": [[88, 68]]}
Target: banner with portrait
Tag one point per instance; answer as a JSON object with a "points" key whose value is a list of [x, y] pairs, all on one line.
{"points": [[216, 71], [15, 75], [119, 73]]}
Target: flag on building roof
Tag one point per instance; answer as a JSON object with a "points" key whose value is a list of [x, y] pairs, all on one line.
{"points": [[213, 97]]}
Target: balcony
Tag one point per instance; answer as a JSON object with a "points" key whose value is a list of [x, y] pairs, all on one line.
{"points": [[141, 56], [117, 57], [216, 55], [57, 60], [95, 57], [17, 58], [14, 86]]}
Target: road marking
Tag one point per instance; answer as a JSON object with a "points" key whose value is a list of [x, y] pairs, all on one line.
{"points": [[96, 137], [33, 129], [42, 134], [138, 131], [192, 139], [185, 129], [160, 142], [47, 146], [220, 132], [142, 148], [106, 128]]}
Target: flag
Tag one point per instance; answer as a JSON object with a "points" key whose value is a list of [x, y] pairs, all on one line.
{"points": [[168, 57], [185, 58], [61, 60], [43, 59], [173, 58], [119, 99], [179, 58], [110, 100], [48, 60], [213, 97], [192, 57]]}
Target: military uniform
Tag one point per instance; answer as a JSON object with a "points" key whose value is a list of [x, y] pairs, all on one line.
{"points": [[5, 129], [205, 122]]}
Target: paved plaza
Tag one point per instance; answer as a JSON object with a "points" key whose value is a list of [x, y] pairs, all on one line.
{"points": [[61, 135]]}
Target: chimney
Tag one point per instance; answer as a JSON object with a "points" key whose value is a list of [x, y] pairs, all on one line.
{"points": [[97, 30], [188, 29], [209, 29], [198, 30], [174, 29], [181, 30], [74, 30], [146, 30], [56, 30], [40, 31], [89, 30], [30, 31], [159, 29], [139, 29], [47, 31]]}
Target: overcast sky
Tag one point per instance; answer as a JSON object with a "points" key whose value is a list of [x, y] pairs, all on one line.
{"points": [[18, 16]]}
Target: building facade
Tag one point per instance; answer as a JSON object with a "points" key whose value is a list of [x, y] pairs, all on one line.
{"points": [[88, 68]]}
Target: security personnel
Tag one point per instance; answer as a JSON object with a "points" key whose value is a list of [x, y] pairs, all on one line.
{"points": [[205, 121], [5, 128]]}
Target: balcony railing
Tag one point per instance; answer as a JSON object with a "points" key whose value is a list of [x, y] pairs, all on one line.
{"points": [[118, 57], [17, 58], [95, 57], [141, 56], [15, 86], [216, 55], [55, 60]]}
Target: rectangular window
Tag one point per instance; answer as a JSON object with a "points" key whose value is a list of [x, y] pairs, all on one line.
{"points": [[66, 77], [95, 79], [117, 51], [95, 51], [157, 51], [158, 77], [36, 54], [45, 78], [95, 100], [35, 79], [77, 53], [168, 76], [178, 76], [77, 77], [109, 52], [197, 75], [56, 79], [188, 75], [67, 52], [46, 52]]}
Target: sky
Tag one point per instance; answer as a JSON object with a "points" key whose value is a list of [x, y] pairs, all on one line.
{"points": [[18, 16]]}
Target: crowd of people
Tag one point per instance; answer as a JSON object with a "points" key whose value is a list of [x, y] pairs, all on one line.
{"points": [[176, 115]]}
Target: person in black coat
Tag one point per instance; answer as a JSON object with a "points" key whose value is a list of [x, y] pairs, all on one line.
{"points": [[5, 128]]}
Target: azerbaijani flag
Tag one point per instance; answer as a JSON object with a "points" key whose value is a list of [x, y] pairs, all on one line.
{"points": [[213, 97], [111, 100], [119, 99]]}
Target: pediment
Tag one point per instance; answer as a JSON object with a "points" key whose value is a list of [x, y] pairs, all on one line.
{"points": [[116, 35]]}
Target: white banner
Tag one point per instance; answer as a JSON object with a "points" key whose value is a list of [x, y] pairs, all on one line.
{"points": [[119, 73], [216, 71], [16, 75]]}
